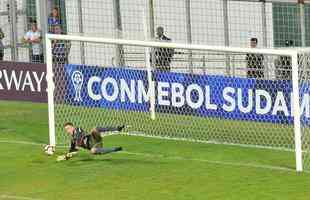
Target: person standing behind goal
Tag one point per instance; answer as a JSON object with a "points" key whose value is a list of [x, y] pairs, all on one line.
{"points": [[1, 45], [284, 64], [34, 38], [162, 56], [255, 62]]}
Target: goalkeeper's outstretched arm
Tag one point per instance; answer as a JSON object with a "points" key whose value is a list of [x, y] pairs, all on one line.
{"points": [[72, 151]]}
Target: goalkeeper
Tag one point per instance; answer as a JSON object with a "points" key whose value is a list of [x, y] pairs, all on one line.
{"points": [[92, 141]]}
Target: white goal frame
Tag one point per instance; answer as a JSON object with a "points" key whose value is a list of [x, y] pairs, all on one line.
{"points": [[147, 44]]}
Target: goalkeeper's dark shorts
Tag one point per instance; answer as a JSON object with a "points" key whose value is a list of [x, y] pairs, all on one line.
{"points": [[94, 140]]}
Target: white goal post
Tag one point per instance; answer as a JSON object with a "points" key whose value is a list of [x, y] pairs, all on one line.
{"points": [[57, 101]]}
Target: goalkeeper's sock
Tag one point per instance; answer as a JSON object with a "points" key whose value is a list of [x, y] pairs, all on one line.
{"points": [[106, 129], [108, 150], [118, 149]]}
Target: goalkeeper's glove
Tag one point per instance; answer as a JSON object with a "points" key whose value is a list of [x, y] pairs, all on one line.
{"points": [[61, 158], [66, 157]]}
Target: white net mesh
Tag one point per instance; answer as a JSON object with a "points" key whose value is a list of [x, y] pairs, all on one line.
{"points": [[235, 98]]}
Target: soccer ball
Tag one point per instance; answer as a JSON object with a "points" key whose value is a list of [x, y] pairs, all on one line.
{"points": [[49, 150]]}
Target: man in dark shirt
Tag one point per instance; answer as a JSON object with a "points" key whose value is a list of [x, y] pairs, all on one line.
{"points": [[92, 141], [255, 65], [61, 48], [1, 45], [284, 64], [162, 56]]}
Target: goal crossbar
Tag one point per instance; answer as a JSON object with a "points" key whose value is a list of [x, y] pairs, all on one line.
{"points": [[279, 52]]}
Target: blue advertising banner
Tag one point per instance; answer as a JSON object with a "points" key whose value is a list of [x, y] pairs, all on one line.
{"points": [[185, 94]]}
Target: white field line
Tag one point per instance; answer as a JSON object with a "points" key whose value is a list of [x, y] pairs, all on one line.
{"points": [[269, 167], [141, 134], [239, 164], [3, 196], [21, 142]]}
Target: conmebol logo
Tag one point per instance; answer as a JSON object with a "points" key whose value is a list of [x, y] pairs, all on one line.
{"points": [[77, 80]]}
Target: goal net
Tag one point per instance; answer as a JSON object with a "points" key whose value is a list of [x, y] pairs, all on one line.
{"points": [[240, 96]]}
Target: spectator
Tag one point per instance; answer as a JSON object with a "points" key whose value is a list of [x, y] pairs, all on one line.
{"points": [[60, 51], [60, 48], [34, 38], [284, 64], [162, 56], [255, 65], [1, 45], [54, 19]]}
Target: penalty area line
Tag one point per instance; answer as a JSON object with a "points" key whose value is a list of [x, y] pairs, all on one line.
{"points": [[3, 196], [21, 142], [217, 162]]}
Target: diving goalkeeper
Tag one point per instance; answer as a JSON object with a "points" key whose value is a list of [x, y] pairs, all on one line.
{"points": [[92, 141]]}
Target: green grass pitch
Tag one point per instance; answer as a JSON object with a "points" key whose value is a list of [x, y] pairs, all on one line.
{"points": [[148, 168]]}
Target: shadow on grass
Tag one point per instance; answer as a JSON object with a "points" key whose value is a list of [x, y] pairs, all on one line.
{"points": [[114, 161]]}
